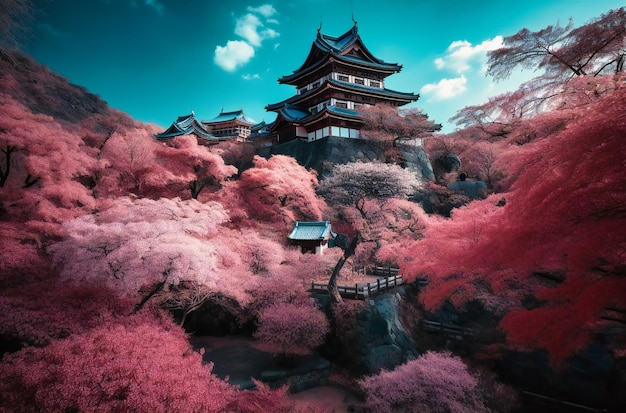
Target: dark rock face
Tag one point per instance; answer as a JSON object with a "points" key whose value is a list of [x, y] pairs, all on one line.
{"points": [[415, 159], [591, 379], [320, 155], [380, 340], [445, 164], [471, 189]]}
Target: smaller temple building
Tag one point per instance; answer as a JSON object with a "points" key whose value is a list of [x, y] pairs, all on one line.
{"points": [[230, 125], [225, 126], [187, 125], [313, 237]]}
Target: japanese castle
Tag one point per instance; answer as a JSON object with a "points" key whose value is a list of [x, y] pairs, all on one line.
{"points": [[339, 76]]}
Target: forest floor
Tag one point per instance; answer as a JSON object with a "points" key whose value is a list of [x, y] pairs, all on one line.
{"points": [[240, 358]]}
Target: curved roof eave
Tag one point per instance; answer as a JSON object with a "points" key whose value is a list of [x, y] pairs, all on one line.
{"points": [[350, 87], [325, 46], [283, 116]]}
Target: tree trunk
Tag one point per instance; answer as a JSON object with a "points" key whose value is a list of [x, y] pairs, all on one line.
{"points": [[348, 251], [335, 297], [155, 289]]}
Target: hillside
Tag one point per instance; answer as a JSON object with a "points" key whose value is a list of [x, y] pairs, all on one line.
{"points": [[104, 249]]}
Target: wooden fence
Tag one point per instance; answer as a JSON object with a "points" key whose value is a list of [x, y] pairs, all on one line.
{"points": [[450, 330], [362, 291], [388, 272]]}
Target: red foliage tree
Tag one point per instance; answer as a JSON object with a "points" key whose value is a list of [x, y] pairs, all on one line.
{"points": [[389, 126], [564, 211], [591, 49], [114, 368], [40, 166]]}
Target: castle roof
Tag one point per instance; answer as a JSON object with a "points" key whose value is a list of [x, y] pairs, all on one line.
{"points": [[301, 116], [347, 48], [338, 85]]}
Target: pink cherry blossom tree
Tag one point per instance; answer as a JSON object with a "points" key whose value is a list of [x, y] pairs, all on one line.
{"points": [[294, 328], [352, 188], [137, 243], [435, 382], [278, 190], [140, 367]]}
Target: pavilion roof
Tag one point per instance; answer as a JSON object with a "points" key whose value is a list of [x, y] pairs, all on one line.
{"points": [[185, 125], [311, 231]]}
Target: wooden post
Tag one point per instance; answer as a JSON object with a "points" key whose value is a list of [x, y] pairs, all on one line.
{"points": [[378, 285], [369, 290]]}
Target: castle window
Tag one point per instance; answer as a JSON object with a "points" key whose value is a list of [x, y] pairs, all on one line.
{"points": [[343, 78], [374, 83], [359, 81]]}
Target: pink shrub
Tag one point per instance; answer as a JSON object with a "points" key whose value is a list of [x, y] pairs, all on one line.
{"points": [[293, 328], [434, 382]]}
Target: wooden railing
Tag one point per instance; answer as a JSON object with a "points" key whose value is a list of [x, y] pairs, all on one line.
{"points": [[362, 291], [450, 330], [388, 272]]}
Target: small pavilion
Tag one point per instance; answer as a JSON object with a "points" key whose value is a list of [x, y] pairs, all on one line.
{"points": [[313, 237], [230, 125]]}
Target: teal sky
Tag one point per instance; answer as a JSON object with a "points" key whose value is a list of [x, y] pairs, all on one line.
{"points": [[158, 59]]}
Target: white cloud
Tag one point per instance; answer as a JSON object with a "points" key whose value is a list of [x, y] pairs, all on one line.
{"points": [[251, 77], [445, 88], [462, 56], [266, 10], [236, 53], [249, 27]]}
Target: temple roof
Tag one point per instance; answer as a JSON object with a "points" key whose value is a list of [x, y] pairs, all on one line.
{"points": [[258, 127], [185, 125], [310, 231], [348, 48], [348, 87], [231, 116]]}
